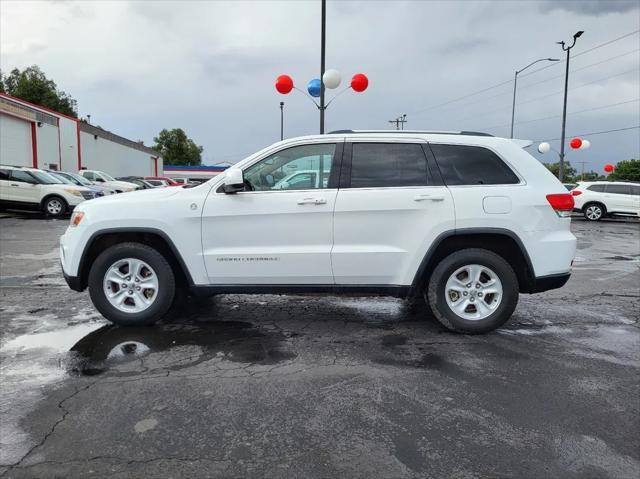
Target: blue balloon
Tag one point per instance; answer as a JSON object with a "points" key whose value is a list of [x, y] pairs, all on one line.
{"points": [[313, 87]]}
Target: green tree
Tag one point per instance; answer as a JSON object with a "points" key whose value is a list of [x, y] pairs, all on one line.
{"points": [[569, 171], [590, 176], [32, 85], [626, 170], [177, 149]]}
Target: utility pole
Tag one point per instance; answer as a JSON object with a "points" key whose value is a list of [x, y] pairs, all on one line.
{"points": [[400, 121], [564, 108], [582, 169], [281, 120], [322, 55]]}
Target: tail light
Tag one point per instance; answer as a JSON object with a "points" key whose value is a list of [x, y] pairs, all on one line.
{"points": [[576, 192], [562, 203]]}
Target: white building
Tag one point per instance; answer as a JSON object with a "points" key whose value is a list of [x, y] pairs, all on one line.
{"points": [[31, 135]]}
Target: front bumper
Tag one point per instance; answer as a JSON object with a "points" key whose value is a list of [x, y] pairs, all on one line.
{"points": [[73, 282]]}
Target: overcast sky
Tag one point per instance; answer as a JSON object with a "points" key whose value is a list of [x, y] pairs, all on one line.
{"points": [[209, 67]]}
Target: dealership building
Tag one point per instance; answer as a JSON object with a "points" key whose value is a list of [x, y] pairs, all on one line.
{"points": [[34, 136]]}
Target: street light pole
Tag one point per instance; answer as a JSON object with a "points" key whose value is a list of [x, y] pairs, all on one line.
{"points": [[322, 55], [281, 120], [564, 107], [515, 84]]}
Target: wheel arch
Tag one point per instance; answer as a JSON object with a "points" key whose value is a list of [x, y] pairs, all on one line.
{"points": [[155, 238], [503, 242]]}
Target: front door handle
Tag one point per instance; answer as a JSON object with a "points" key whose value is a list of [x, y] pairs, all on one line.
{"points": [[14, 184], [312, 201], [428, 198]]}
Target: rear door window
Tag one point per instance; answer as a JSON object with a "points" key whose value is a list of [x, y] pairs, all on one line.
{"points": [[380, 165], [618, 189], [472, 165]]}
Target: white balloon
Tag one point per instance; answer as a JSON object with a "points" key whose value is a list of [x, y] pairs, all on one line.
{"points": [[331, 79], [544, 147], [585, 144]]}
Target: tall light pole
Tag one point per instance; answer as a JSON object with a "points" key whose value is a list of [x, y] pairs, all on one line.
{"points": [[322, 54], [281, 120], [564, 108], [515, 84]]}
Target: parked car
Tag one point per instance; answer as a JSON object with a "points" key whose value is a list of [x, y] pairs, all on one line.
{"points": [[598, 199], [300, 180], [138, 181], [101, 178], [78, 180], [34, 189], [466, 220], [165, 181]]}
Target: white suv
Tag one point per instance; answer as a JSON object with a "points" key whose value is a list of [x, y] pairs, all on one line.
{"points": [[103, 179], [466, 220], [597, 199], [34, 189]]}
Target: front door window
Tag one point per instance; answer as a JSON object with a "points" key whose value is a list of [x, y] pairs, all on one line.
{"points": [[304, 167]]}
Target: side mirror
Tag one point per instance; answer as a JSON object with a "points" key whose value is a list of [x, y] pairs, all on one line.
{"points": [[234, 182], [99, 180]]}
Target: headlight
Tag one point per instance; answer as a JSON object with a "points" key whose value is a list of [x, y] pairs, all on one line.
{"points": [[76, 218], [71, 191]]}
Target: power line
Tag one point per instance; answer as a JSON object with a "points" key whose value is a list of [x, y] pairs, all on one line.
{"points": [[546, 80], [510, 81], [485, 113], [570, 113], [594, 133], [582, 53]]}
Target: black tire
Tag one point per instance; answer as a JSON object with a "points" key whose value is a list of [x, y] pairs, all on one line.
{"points": [[594, 211], [435, 291], [166, 284], [51, 204]]}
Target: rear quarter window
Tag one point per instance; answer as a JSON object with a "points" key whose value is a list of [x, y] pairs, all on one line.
{"points": [[472, 165], [596, 188]]}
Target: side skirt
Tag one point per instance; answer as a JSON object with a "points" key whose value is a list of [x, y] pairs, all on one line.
{"points": [[395, 291]]}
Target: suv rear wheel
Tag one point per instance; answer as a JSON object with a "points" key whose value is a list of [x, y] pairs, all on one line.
{"points": [[472, 291], [594, 211], [131, 284]]}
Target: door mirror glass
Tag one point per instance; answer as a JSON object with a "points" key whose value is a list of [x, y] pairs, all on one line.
{"points": [[99, 180], [234, 182]]}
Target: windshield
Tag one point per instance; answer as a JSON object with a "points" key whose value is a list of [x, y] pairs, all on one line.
{"points": [[62, 178], [107, 177], [46, 178], [79, 179]]}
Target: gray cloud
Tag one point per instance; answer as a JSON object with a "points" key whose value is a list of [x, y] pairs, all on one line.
{"points": [[591, 7]]}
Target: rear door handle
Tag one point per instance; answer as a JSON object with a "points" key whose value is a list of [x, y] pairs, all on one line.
{"points": [[312, 201], [428, 198]]}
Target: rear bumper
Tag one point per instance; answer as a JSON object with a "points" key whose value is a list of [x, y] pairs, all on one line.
{"points": [[552, 281]]}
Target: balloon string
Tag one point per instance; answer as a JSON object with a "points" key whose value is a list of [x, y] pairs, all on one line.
{"points": [[308, 96], [329, 103]]}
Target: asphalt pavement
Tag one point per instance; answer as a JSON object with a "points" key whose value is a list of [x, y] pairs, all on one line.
{"points": [[320, 386]]}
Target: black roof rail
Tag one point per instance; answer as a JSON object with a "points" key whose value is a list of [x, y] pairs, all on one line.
{"points": [[412, 132]]}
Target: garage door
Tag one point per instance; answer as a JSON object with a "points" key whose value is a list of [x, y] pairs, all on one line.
{"points": [[15, 141]]}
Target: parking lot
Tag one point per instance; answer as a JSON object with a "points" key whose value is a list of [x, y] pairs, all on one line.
{"points": [[316, 386]]}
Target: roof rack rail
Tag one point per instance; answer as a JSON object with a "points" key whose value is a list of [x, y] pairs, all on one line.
{"points": [[433, 132]]}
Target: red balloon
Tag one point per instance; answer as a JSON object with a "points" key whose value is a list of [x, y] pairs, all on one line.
{"points": [[576, 143], [608, 168], [359, 82], [284, 84]]}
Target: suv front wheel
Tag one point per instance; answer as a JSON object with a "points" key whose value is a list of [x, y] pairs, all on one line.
{"points": [[54, 206], [131, 284], [472, 291]]}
